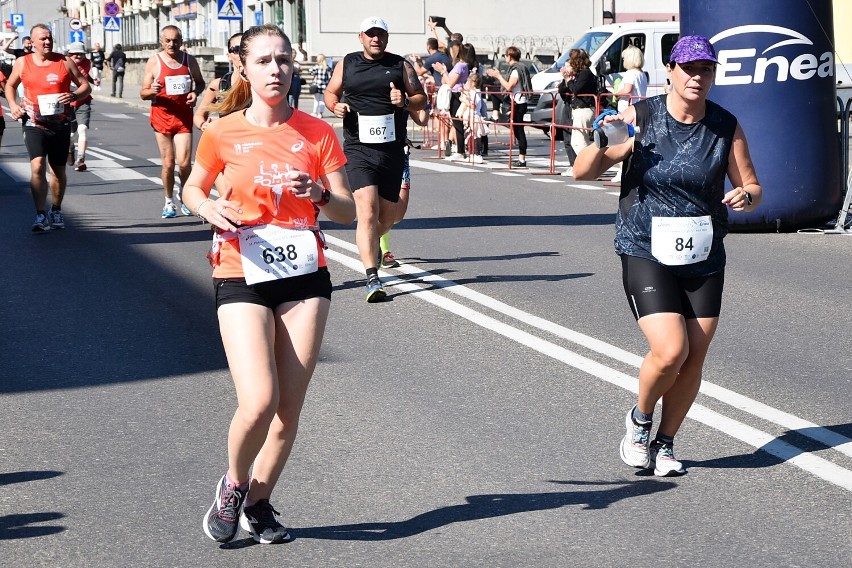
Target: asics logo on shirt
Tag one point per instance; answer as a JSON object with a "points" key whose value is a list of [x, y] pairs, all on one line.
{"points": [[297, 146]]}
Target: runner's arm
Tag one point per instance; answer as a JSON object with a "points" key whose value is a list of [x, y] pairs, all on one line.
{"points": [[341, 206], [11, 89], [197, 79], [414, 89], [200, 118], [742, 175], [592, 161], [83, 87], [334, 90], [150, 87]]}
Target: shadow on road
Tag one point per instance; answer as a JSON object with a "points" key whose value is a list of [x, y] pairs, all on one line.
{"points": [[480, 507]]}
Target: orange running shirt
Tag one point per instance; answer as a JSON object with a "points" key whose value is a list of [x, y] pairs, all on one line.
{"points": [[85, 66], [254, 160], [51, 79]]}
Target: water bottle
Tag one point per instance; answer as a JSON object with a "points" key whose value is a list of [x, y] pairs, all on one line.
{"points": [[612, 133]]}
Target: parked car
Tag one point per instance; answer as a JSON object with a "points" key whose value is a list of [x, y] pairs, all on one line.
{"points": [[604, 45]]}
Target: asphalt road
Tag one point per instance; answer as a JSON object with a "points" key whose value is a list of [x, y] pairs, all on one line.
{"points": [[473, 419]]}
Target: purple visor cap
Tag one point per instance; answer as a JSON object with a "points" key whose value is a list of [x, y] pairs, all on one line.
{"points": [[693, 48]]}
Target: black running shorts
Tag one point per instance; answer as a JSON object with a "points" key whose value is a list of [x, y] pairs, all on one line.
{"points": [[54, 144], [653, 288], [273, 294], [380, 166]]}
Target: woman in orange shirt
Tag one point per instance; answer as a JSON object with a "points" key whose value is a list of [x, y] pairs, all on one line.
{"points": [[273, 289]]}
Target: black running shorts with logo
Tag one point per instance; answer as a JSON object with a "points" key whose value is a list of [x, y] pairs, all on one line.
{"points": [[380, 165], [274, 293], [54, 143], [654, 288]]}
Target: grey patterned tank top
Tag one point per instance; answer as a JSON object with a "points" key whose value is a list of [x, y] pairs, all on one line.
{"points": [[675, 170]]}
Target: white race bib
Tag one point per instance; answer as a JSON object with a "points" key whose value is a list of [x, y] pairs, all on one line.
{"points": [[270, 252], [376, 129], [49, 105], [681, 240], [178, 85]]}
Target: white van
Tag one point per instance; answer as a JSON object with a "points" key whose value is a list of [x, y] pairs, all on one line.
{"points": [[604, 45]]}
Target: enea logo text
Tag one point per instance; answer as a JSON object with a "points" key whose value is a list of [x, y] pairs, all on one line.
{"points": [[741, 67]]}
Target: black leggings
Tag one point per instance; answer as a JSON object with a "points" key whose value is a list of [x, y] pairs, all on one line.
{"points": [[458, 123], [518, 128], [654, 288]]}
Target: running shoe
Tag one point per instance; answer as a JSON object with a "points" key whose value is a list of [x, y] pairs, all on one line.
{"points": [[456, 157], [519, 164], [375, 292], [41, 223], [477, 159], [259, 520], [634, 445], [664, 462], [57, 221], [185, 210], [222, 521], [569, 172], [388, 260], [169, 211], [81, 165]]}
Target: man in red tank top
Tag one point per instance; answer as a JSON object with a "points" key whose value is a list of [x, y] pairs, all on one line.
{"points": [[172, 83], [46, 112]]}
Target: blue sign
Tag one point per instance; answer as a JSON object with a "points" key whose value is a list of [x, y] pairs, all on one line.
{"points": [[258, 18], [112, 24], [230, 9], [78, 35], [17, 20], [781, 52]]}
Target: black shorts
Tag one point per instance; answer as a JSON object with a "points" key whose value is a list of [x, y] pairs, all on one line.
{"points": [[273, 294], [54, 144], [380, 166], [654, 288]]}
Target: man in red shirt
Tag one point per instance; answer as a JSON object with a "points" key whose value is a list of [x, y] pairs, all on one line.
{"points": [[172, 82], [46, 112]]}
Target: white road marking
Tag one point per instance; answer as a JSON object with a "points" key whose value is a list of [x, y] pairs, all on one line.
{"points": [[507, 174], [115, 115], [110, 170], [107, 154], [586, 186], [771, 444], [546, 180], [441, 166]]}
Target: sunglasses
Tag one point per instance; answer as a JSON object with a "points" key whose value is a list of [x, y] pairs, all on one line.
{"points": [[234, 49]]}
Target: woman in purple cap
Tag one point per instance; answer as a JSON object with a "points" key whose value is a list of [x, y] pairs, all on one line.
{"points": [[672, 217]]}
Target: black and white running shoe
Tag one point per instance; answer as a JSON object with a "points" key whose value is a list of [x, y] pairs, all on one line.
{"points": [[259, 520]]}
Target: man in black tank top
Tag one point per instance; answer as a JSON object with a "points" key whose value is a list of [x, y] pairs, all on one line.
{"points": [[379, 88]]}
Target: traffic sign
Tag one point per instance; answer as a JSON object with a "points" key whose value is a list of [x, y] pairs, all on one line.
{"points": [[75, 24], [8, 24], [77, 35], [258, 18], [112, 24], [112, 9], [17, 20], [230, 9]]}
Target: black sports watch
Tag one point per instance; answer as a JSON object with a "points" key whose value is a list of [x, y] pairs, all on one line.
{"points": [[74, 97], [405, 102], [326, 197], [748, 198]]}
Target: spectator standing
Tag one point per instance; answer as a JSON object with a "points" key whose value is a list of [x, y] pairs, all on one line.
{"points": [[633, 85], [321, 75], [82, 107], [4, 75], [566, 119], [517, 83], [98, 57], [295, 82], [46, 110], [26, 46], [425, 67], [584, 88], [117, 63], [455, 79]]}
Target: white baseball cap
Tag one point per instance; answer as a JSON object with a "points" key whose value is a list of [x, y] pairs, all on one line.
{"points": [[373, 22]]}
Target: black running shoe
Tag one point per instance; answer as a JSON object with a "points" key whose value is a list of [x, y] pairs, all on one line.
{"points": [[221, 523], [259, 520]]}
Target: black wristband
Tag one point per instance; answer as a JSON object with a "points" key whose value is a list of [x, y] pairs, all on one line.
{"points": [[74, 97], [326, 197]]}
